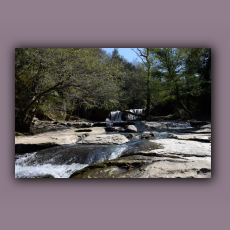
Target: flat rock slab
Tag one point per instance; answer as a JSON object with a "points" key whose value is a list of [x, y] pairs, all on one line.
{"points": [[173, 159], [59, 137], [199, 137], [148, 167], [25, 144], [201, 131], [155, 125], [192, 168], [183, 147], [105, 139]]}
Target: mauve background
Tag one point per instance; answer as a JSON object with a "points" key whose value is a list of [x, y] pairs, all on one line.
{"points": [[116, 204]]}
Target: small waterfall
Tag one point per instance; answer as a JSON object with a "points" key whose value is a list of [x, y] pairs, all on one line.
{"points": [[138, 111], [116, 116]]}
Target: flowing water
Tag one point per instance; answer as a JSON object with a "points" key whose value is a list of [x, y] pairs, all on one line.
{"points": [[62, 161], [117, 115]]}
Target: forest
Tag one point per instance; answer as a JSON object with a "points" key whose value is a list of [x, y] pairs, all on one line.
{"points": [[64, 82]]}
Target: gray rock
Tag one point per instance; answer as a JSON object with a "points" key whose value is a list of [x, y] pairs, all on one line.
{"points": [[49, 139], [140, 166], [155, 125], [173, 159], [131, 128], [183, 147], [198, 137], [105, 139], [82, 125]]}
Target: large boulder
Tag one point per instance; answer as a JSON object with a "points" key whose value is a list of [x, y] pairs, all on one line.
{"points": [[131, 128]]}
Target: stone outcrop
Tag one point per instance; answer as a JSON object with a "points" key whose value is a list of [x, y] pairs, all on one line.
{"points": [[198, 137], [104, 139], [172, 159], [154, 125], [26, 144]]}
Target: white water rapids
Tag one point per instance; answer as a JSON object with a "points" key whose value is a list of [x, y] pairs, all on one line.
{"points": [[23, 170]]}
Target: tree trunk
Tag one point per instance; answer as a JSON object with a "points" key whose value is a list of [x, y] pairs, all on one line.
{"points": [[23, 123]]}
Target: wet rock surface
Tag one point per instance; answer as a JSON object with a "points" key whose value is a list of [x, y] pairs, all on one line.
{"points": [[170, 158], [67, 155]]}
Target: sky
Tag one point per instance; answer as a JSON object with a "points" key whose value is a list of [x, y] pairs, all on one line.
{"points": [[127, 53]]}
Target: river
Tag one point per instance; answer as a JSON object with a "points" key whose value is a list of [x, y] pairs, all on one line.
{"points": [[62, 161]]}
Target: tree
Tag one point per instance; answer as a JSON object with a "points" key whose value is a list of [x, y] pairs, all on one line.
{"points": [[48, 76], [197, 71], [186, 74], [145, 57]]}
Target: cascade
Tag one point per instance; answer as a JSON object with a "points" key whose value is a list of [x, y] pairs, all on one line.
{"points": [[138, 111], [116, 116]]}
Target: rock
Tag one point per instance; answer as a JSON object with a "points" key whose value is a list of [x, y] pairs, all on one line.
{"points": [[145, 136], [172, 159], [183, 147], [82, 125], [154, 125], [42, 140], [111, 129], [114, 129], [19, 134], [190, 168], [115, 123], [140, 166], [83, 130], [198, 123], [199, 137], [131, 128], [29, 148], [105, 139], [130, 136]]}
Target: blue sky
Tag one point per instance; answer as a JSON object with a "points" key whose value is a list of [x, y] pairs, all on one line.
{"points": [[127, 53]]}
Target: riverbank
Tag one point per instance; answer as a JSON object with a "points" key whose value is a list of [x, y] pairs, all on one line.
{"points": [[172, 151]]}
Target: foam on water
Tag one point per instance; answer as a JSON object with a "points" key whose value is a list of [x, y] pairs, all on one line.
{"points": [[23, 170]]}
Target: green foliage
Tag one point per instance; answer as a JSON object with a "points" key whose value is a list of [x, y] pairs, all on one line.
{"points": [[62, 80], [184, 73]]}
